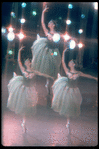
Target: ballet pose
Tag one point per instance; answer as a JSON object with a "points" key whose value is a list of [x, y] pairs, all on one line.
{"points": [[47, 52], [67, 98], [22, 91]]}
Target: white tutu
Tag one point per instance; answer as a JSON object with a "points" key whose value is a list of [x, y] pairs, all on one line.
{"points": [[66, 97], [22, 94]]}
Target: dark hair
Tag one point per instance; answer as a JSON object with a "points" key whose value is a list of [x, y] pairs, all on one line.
{"points": [[56, 28], [52, 21]]}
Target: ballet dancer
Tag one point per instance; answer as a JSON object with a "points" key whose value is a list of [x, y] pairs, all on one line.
{"points": [[67, 98], [47, 52], [22, 91]]}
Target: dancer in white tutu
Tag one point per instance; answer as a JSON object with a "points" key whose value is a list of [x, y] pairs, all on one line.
{"points": [[47, 51], [67, 98], [22, 91]]}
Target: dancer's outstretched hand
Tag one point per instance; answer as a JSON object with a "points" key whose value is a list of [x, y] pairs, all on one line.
{"points": [[22, 48], [45, 9]]}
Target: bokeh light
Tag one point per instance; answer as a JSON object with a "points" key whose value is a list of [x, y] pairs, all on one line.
{"points": [[22, 20], [82, 16], [13, 14], [80, 31], [56, 37], [80, 45], [3, 30], [10, 51], [96, 5], [10, 29], [21, 35], [72, 44], [34, 13], [70, 6], [23, 5], [68, 22], [66, 37], [10, 36]]}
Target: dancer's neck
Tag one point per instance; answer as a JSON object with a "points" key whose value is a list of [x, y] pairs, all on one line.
{"points": [[72, 69]]}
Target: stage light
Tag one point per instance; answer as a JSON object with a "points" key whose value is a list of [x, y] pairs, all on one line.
{"points": [[56, 37], [68, 22], [22, 20], [60, 18], [80, 31], [70, 6], [10, 51], [34, 13], [82, 16], [10, 36], [72, 44], [96, 5], [66, 37], [10, 29], [13, 14], [3, 30], [21, 36], [80, 45], [55, 53], [23, 5]]}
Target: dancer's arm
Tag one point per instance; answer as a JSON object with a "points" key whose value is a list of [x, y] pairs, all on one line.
{"points": [[42, 21], [63, 62], [19, 60], [88, 76]]}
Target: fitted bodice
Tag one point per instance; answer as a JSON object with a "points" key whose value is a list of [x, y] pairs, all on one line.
{"points": [[73, 82]]}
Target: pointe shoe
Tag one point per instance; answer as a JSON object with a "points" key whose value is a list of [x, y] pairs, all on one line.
{"points": [[23, 127], [67, 125]]}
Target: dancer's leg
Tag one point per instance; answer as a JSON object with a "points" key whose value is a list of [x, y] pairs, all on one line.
{"points": [[69, 131], [48, 93], [47, 85], [24, 124]]}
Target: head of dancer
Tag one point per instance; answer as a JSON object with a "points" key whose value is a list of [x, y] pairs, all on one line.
{"points": [[52, 25]]}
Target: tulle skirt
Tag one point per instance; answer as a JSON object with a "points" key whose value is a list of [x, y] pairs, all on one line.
{"points": [[46, 57], [22, 95], [66, 100]]}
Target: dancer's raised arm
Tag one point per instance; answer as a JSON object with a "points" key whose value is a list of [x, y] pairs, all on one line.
{"points": [[63, 62], [42, 21], [19, 60]]}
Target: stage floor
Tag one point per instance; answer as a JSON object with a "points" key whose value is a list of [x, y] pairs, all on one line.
{"points": [[47, 128]]}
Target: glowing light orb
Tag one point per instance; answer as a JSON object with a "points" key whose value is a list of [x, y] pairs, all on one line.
{"points": [[60, 18], [66, 37], [72, 44], [23, 5], [56, 37], [80, 31], [68, 22], [3, 30], [10, 29], [13, 14], [80, 45], [21, 36], [22, 20], [10, 52], [10, 36], [34, 13], [82, 16], [70, 6], [96, 5], [55, 53]]}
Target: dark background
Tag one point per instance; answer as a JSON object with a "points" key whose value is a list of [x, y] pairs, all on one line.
{"points": [[32, 26]]}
